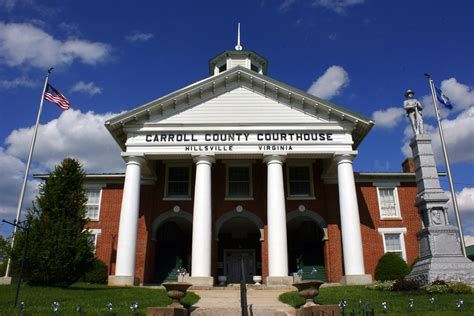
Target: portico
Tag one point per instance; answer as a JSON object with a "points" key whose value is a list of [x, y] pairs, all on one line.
{"points": [[271, 145]]}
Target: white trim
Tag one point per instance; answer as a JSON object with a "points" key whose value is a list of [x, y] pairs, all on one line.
{"points": [[308, 164], [231, 164], [90, 187], [398, 216], [182, 165], [401, 231]]}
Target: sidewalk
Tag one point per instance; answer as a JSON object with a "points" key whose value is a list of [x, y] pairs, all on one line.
{"points": [[262, 302]]}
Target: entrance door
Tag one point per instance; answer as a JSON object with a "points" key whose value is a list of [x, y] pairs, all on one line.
{"points": [[232, 264]]}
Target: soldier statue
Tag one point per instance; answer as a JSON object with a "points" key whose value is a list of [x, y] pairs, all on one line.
{"points": [[414, 108]]}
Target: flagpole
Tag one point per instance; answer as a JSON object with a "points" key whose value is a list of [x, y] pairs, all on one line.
{"points": [[27, 171], [448, 168]]}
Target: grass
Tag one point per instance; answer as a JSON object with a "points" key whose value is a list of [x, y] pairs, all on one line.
{"points": [[397, 301], [92, 299]]}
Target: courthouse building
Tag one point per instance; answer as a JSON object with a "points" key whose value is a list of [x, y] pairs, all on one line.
{"points": [[239, 166]]}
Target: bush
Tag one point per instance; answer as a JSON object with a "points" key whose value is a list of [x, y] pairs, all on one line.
{"points": [[405, 285], [391, 267], [98, 274], [459, 288], [441, 287], [381, 286]]}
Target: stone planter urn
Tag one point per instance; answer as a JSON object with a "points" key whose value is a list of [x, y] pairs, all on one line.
{"points": [[222, 279], [308, 290], [257, 279], [176, 291]]}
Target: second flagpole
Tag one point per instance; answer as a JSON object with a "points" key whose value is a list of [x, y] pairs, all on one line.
{"points": [[448, 168], [27, 171]]}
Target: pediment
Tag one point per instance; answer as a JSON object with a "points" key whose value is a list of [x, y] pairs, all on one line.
{"points": [[238, 97], [239, 106]]}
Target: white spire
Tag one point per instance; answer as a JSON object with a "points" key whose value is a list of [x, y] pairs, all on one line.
{"points": [[238, 47]]}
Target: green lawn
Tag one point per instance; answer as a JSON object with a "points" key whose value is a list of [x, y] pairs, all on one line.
{"points": [[92, 298], [397, 301]]}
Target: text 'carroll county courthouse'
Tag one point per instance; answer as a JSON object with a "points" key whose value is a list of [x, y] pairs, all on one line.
{"points": [[239, 165]]}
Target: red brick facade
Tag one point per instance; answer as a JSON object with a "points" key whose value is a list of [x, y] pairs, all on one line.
{"points": [[326, 204]]}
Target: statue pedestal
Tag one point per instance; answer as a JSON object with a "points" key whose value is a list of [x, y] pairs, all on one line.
{"points": [[441, 257]]}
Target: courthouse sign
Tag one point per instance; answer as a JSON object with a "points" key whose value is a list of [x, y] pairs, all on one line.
{"points": [[233, 141]]}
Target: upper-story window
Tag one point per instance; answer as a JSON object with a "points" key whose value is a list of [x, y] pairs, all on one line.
{"points": [[178, 179], [388, 202], [300, 181], [239, 181], [254, 67], [93, 203]]}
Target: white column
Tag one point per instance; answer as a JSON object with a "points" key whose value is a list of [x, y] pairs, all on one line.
{"points": [[127, 237], [350, 220], [276, 218], [202, 218]]}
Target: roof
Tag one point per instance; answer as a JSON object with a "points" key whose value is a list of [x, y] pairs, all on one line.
{"points": [[250, 79]]}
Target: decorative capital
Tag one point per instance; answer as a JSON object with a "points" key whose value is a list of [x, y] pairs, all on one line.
{"points": [[134, 159], [344, 157], [268, 159], [207, 159]]}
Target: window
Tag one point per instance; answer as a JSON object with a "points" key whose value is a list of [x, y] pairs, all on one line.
{"points": [[393, 240], [93, 203], [388, 203], [178, 182], [222, 68], [254, 67], [300, 181], [239, 184], [93, 235]]}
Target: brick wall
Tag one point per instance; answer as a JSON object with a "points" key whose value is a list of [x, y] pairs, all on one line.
{"points": [[326, 205]]}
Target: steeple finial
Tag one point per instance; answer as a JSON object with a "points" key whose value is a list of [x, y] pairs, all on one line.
{"points": [[238, 47]]}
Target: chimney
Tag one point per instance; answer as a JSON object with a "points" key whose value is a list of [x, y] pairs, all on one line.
{"points": [[408, 165]]}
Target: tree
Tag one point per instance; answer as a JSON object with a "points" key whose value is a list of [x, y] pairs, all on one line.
{"points": [[59, 250], [4, 249]]}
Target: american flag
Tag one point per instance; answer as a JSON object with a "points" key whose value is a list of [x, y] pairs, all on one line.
{"points": [[53, 95]]}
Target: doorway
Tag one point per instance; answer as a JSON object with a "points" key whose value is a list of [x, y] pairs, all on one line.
{"points": [[233, 264], [239, 238]]}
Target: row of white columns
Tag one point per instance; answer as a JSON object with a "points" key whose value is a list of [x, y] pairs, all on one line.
{"points": [[276, 218]]}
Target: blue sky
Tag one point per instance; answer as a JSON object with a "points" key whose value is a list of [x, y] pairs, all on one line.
{"points": [[111, 56]]}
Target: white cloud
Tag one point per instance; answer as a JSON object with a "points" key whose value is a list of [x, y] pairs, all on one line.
{"points": [[74, 134], [388, 118], [90, 88], [330, 83], [461, 96], [465, 199], [458, 136], [139, 37], [11, 175], [338, 6], [17, 82], [26, 44], [285, 5]]}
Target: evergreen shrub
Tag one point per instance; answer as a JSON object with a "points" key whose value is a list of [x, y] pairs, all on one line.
{"points": [[98, 274], [391, 267], [58, 248]]}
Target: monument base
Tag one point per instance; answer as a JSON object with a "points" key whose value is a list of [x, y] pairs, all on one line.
{"points": [[7, 280], [358, 279], [120, 280], [443, 268]]}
